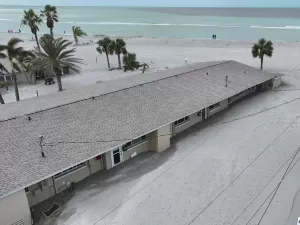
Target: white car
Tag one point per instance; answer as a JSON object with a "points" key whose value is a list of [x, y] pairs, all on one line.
{"points": [[298, 222]]}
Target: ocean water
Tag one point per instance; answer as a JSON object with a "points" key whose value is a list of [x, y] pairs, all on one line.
{"points": [[226, 23]]}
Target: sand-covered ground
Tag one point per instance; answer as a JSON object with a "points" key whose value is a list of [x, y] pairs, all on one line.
{"points": [[210, 175], [160, 54]]}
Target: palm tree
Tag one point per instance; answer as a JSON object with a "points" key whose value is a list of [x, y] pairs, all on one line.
{"points": [[24, 62], [130, 62], [261, 48], [51, 14], [119, 47], [77, 32], [1, 99], [3, 70], [12, 54], [56, 56], [105, 45], [33, 21]]}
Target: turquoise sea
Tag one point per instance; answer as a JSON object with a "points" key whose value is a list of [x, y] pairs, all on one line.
{"points": [[226, 23]]}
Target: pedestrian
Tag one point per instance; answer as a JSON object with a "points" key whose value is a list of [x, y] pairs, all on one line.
{"points": [[9, 31]]}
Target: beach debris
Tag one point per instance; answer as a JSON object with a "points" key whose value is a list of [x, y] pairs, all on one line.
{"points": [[51, 210]]}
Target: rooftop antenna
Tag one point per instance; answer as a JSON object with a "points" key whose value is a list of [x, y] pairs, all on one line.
{"points": [[226, 80], [41, 137]]}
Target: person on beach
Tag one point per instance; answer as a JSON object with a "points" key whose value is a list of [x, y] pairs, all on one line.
{"points": [[9, 31]]}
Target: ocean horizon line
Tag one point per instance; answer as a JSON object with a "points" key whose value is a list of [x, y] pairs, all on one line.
{"points": [[187, 7]]}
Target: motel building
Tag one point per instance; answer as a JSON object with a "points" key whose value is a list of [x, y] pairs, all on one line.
{"points": [[50, 142]]}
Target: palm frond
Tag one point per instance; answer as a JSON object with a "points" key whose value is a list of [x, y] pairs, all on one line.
{"points": [[3, 47], [2, 55], [55, 55], [98, 49], [3, 68], [16, 66], [14, 41]]}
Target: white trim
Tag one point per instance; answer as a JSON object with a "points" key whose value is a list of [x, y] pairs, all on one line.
{"points": [[186, 119], [135, 144], [112, 156], [69, 170], [214, 106]]}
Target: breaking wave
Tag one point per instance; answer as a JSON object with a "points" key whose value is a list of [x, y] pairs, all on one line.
{"points": [[186, 25]]}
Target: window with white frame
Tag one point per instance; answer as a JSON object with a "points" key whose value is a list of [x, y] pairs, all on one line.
{"points": [[213, 107], [71, 169], [181, 121], [134, 142]]}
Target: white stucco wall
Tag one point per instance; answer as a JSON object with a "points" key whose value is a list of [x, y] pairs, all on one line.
{"points": [[223, 105], [40, 192], [138, 149], [159, 140], [193, 119], [96, 165], [14, 208], [74, 176], [108, 160], [164, 135], [276, 82], [43, 190]]}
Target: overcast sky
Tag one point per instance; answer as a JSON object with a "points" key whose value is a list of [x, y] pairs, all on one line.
{"points": [[187, 3]]}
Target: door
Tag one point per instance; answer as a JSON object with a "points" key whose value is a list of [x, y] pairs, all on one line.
{"points": [[203, 114], [117, 157]]}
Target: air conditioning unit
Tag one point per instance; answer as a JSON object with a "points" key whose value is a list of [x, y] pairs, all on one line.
{"points": [[36, 192], [45, 183]]}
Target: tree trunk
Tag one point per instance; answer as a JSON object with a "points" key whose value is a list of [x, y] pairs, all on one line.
{"points": [[1, 99], [119, 60], [51, 31], [58, 76], [37, 41], [27, 78], [15, 85], [144, 68], [107, 60], [261, 62]]}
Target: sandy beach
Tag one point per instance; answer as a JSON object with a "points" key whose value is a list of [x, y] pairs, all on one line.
{"points": [[159, 54]]}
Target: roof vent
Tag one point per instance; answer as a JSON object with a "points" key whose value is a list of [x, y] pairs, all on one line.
{"points": [[41, 137], [226, 80]]}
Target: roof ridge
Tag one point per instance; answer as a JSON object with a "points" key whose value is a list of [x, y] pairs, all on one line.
{"points": [[136, 85]]}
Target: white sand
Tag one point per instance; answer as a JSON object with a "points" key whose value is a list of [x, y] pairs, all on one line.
{"points": [[202, 164], [160, 54]]}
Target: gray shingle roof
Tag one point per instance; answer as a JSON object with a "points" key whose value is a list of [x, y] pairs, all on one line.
{"points": [[124, 109]]}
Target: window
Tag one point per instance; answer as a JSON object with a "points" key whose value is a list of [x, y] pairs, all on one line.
{"points": [[213, 107], [181, 121], [71, 169], [134, 142]]}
